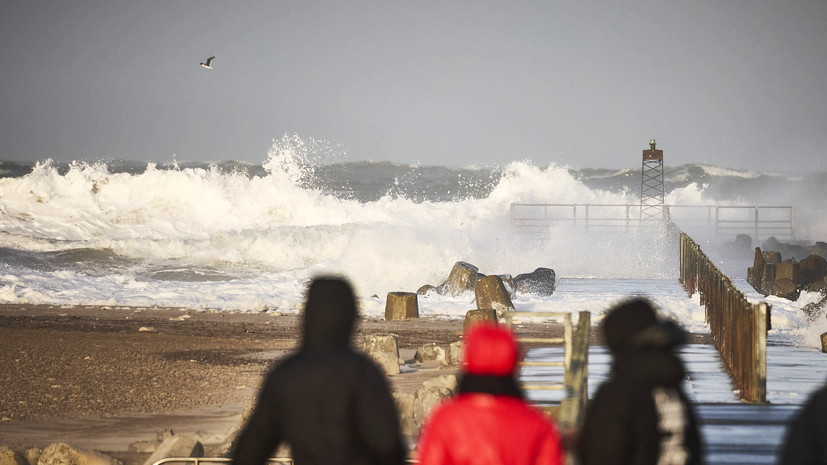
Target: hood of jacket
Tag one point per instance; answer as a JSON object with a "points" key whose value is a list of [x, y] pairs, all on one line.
{"points": [[329, 314], [642, 345]]}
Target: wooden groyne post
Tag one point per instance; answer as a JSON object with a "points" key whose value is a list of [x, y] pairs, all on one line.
{"points": [[739, 328]]}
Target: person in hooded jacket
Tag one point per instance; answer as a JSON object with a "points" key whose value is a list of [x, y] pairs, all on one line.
{"points": [[488, 421], [329, 403], [806, 437], [640, 416]]}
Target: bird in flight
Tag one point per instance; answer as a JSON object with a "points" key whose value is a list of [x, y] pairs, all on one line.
{"points": [[208, 64]]}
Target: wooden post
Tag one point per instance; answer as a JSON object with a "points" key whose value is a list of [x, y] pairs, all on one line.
{"points": [[760, 353]]}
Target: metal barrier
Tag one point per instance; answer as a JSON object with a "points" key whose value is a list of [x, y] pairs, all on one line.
{"points": [[739, 328], [760, 221]]}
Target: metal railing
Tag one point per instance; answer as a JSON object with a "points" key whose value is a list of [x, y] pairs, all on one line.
{"points": [[759, 221], [738, 327]]}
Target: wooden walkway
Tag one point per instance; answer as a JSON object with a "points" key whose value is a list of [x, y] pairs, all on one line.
{"points": [[733, 432]]}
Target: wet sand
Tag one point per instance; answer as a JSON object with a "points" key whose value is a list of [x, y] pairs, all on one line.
{"points": [[102, 378]]}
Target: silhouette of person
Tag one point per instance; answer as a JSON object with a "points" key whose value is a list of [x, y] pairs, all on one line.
{"points": [[488, 421], [640, 415], [806, 438], [329, 403]]}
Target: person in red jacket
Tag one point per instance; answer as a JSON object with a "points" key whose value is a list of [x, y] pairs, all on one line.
{"points": [[488, 421]]}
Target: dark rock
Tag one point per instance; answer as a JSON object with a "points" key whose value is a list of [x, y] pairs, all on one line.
{"points": [[541, 281], [820, 249], [771, 244], [426, 289]]}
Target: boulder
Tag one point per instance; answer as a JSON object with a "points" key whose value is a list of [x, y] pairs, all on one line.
{"points": [[401, 306], [818, 286], [432, 392], [473, 316], [542, 281], [820, 249], [384, 350], [491, 293], [795, 252], [185, 445], [33, 455], [815, 310], [9, 456], [151, 445], [824, 342], [455, 353], [63, 454], [740, 247], [771, 244], [405, 407], [463, 278], [426, 288], [813, 268], [431, 352]]}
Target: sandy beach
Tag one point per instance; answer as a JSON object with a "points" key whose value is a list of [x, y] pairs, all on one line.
{"points": [[102, 378]]}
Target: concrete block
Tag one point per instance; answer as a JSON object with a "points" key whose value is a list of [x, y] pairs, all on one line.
{"points": [[788, 270], [463, 278], [401, 306], [491, 293], [813, 268], [384, 350], [474, 316]]}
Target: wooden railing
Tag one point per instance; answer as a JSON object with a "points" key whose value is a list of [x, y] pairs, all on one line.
{"points": [[576, 380], [739, 328]]}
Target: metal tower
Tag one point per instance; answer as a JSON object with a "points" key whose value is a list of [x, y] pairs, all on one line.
{"points": [[651, 186]]}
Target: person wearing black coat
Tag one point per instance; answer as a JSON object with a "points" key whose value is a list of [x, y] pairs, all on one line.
{"points": [[329, 403], [640, 416], [806, 438]]}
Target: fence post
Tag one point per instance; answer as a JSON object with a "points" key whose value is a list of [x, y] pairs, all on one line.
{"points": [[760, 354]]}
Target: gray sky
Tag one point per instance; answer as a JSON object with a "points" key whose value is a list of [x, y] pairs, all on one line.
{"points": [[735, 83]]}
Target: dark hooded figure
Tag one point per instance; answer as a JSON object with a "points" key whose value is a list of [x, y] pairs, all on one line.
{"points": [[330, 404], [806, 438], [640, 416]]}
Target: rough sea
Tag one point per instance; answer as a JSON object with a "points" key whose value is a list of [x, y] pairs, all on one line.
{"points": [[234, 236]]}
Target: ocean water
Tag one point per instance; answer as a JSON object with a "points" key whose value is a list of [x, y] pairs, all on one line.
{"points": [[235, 236]]}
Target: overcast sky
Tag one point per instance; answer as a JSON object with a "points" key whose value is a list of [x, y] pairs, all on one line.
{"points": [[735, 83]]}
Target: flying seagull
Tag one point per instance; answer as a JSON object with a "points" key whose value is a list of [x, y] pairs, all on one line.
{"points": [[208, 64]]}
